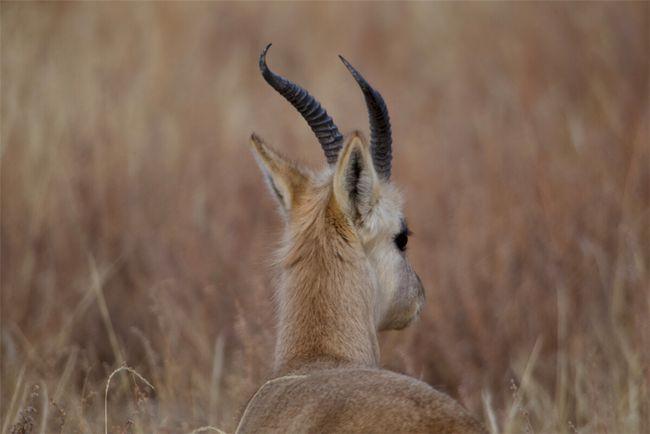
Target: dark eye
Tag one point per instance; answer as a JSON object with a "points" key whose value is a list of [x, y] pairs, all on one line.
{"points": [[402, 239]]}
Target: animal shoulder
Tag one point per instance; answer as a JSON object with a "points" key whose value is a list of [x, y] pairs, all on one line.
{"points": [[354, 400]]}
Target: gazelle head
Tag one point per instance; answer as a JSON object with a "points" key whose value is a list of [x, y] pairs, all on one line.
{"points": [[344, 224]]}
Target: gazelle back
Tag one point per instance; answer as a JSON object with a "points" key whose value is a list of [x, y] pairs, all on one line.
{"points": [[344, 276]]}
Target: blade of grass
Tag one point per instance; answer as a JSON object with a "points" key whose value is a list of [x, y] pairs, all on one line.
{"points": [[108, 384], [97, 286], [14, 398]]}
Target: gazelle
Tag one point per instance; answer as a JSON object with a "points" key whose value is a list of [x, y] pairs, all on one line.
{"points": [[344, 277]]}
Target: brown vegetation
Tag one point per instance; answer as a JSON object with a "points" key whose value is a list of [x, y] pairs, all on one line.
{"points": [[135, 226]]}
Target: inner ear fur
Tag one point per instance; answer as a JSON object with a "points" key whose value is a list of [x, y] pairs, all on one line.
{"points": [[285, 178], [355, 179]]}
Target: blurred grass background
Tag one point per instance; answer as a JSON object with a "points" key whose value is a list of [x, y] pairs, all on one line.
{"points": [[136, 227]]}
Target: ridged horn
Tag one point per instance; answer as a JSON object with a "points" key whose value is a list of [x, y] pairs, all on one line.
{"points": [[381, 139], [319, 121]]}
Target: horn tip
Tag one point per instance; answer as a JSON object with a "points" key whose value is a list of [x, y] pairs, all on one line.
{"points": [[345, 62], [263, 67], [263, 57], [357, 76]]}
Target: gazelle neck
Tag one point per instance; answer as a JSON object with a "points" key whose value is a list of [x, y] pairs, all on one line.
{"points": [[326, 301]]}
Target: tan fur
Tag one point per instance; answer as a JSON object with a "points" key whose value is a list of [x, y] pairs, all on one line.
{"points": [[342, 280]]}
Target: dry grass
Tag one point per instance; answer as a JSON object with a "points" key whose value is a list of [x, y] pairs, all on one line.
{"points": [[135, 225]]}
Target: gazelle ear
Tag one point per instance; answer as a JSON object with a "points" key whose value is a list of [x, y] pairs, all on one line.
{"points": [[355, 180], [285, 179]]}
